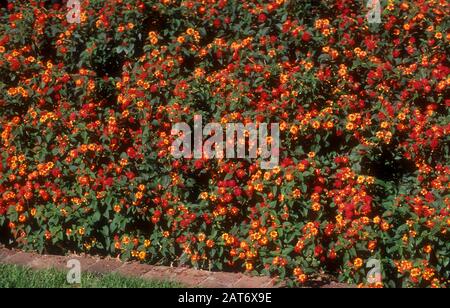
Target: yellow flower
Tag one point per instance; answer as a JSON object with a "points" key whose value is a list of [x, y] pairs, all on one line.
{"points": [[329, 125], [139, 195], [415, 272], [350, 126], [428, 249], [370, 180], [316, 207], [81, 231], [201, 237], [147, 243], [210, 243], [352, 117], [274, 234], [384, 125], [181, 39], [401, 116], [294, 129], [142, 255], [154, 40], [357, 263], [385, 226]]}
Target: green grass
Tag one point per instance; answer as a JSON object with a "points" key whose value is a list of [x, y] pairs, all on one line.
{"points": [[12, 276]]}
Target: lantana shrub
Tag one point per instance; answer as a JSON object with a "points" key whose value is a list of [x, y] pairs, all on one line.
{"points": [[86, 112]]}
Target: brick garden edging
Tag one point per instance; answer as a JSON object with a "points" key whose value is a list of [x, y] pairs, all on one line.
{"points": [[186, 276], [183, 275]]}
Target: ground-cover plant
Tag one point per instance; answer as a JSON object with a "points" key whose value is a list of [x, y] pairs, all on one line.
{"points": [[86, 112], [12, 276]]}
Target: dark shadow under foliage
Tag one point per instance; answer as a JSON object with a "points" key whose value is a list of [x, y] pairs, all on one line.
{"points": [[387, 165]]}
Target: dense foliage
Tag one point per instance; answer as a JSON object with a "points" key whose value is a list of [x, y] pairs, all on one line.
{"points": [[86, 112]]}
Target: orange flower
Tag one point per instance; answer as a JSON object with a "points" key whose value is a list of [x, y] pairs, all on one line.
{"points": [[415, 272], [273, 234], [385, 226], [142, 255], [201, 237], [302, 278], [357, 263], [428, 249], [372, 245], [181, 39], [210, 243], [316, 207], [315, 124], [350, 126]]}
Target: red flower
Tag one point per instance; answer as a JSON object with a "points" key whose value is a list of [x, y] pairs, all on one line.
{"points": [[217, 23], [262, 17], [15, 64], [306, 37], [131, 152], [318, 250]]}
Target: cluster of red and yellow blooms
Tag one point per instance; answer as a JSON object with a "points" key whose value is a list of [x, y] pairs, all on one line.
{"points": [[86, 112]]}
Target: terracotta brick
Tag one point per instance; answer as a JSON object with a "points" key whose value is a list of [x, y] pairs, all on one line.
{"points": [[191, 277], [5, 254], [20, 258], [213, 282], [47, 262], [247, 282], [179, 270], [104, 266], [227, 276], [183, 275], [159, 273], [276, 283], [133, 269], [221, 280], [85, 262]]}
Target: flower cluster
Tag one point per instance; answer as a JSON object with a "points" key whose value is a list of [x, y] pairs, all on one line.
{"points": [[86, 112]]}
